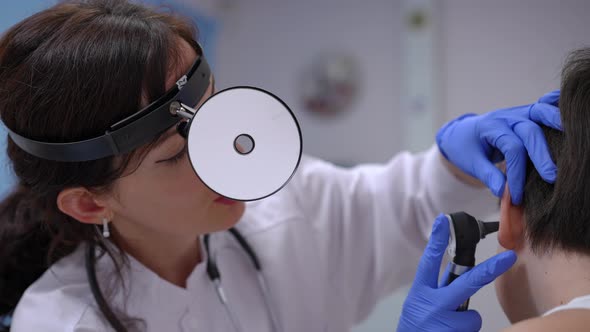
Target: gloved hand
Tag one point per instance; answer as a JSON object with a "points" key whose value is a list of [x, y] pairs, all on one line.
{"points": [[429, 308], [474, 143]]}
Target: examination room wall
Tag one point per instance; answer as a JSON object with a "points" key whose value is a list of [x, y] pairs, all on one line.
{"points": [[486, 55]]}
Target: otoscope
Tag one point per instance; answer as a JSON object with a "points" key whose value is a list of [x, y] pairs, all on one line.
{"points": [[465, 233]]}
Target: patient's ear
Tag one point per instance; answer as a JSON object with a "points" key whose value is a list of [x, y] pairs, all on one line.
{"points": [[511, 232]]}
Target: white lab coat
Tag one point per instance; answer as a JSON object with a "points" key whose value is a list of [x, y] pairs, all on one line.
{"points": [[332, 243]]}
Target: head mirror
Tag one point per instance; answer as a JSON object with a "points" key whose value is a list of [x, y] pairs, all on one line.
{"points": [[244, 143]]}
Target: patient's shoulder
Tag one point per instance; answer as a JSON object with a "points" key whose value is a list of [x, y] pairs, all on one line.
{"points": [[565, 320]]}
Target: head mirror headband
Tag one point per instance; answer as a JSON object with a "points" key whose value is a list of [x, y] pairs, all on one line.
{"points": [[133, 131]]}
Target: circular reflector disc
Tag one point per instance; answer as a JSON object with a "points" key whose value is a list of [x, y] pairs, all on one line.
{"points": [[244, 143]]}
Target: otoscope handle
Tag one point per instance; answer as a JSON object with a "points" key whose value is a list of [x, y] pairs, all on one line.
{"points": [[454, 272]]}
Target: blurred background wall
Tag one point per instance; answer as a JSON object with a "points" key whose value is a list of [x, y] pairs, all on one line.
{"points": [[416, 64]]}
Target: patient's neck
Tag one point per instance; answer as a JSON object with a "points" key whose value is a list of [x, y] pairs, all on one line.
{"points": [[555, 278]]}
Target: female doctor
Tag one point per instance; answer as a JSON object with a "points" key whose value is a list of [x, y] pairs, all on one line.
{"points": [[132, 240]]}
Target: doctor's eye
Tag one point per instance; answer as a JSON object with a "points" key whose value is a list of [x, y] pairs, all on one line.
{"points": [[179, 156]]}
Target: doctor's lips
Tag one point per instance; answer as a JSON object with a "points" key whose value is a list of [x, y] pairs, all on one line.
{"points": [[225, 201]]}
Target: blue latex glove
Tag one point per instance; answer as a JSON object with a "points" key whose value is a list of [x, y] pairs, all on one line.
{"points": [[431, 308], [474, 143]]}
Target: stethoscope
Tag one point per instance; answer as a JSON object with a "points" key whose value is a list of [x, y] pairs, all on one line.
{"points": [[215, 277], [213, 274]]}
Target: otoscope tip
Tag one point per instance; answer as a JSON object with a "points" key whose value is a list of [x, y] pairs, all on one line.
{"points": [[489, 227]]}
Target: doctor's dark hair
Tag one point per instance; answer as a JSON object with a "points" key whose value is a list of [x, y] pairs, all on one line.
{"points": [[66, 74], [558, 215]]}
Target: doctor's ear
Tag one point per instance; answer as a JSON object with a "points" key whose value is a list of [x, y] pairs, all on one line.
{"points": [[82, 205], [511, 232]]}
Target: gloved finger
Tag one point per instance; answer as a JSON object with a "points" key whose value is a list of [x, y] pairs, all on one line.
{"points": [[516, 158], [535, 143], [445, 277], [546, 114], [428, 268], [465, 321], [490, 175], [551, 98], [470, 282], [483, 165]]}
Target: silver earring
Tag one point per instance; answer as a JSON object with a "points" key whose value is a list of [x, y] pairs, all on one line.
{"points": [[105, 228]]}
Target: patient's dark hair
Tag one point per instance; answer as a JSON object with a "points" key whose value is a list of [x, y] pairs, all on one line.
{"points": [[66, 74], [558, 216]]}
